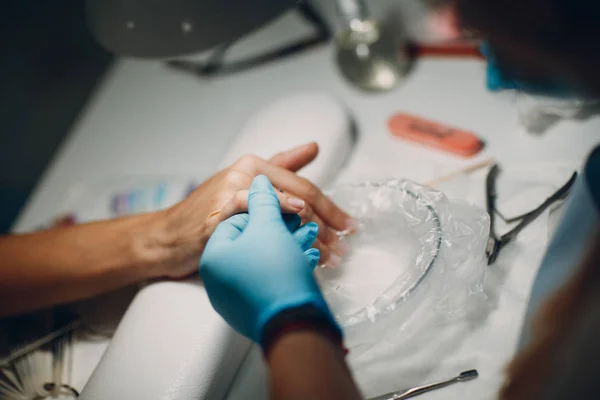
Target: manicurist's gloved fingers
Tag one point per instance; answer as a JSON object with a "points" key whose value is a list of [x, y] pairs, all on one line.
{"points": [[313, 256], [326, 235], [255, 269], [292, 222], [263, 204], [231, 229], [306, 235]]}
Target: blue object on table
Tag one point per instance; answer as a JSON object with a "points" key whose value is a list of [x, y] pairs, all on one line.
{"points": [[160, 195]]}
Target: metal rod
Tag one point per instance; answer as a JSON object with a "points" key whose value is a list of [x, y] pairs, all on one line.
{"points": [[405, 394]]}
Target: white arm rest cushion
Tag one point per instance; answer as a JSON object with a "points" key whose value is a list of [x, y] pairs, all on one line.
{"points": [[295, 120], [171, 344]]}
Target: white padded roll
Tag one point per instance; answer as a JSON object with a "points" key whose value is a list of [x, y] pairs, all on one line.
{"points": [[295, 120], [171, 344]]}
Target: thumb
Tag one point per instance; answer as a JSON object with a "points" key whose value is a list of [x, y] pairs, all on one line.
{"points": [[263, 204]]}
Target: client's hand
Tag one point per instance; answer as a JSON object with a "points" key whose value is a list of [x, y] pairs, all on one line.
{"points": [[187, 226], [253, 267]]}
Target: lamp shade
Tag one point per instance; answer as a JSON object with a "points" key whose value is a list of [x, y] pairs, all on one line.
{"points": [[168, 28]]}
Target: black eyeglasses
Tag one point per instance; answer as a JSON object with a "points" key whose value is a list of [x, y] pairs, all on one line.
{"points": [[495, 242]]}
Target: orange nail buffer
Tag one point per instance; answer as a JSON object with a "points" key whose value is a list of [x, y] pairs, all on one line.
{"points": [[434, 134]]}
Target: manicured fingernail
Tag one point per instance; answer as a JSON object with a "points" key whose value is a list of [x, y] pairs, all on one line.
{"points": [[352, 225], [334, 261], [306, 145], [296, 203]]}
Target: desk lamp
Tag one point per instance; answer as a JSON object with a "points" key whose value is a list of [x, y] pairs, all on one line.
{"points": [[170, 28]]}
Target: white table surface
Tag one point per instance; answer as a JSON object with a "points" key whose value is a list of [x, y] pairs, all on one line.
{"points": [[146, 119]]}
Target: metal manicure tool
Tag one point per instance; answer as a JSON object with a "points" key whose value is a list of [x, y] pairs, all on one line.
{"points": [[406, 394], [496, 242]]}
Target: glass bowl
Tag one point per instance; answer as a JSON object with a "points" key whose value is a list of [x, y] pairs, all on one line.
{"points": [[389, 256]]}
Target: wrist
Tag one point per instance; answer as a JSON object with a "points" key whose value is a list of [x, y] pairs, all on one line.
{"points": [[164, 248], [148, 240], [298, 319]]}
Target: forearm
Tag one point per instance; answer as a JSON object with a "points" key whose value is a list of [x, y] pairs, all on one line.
{"points": [[60, 265], [308, 365]]}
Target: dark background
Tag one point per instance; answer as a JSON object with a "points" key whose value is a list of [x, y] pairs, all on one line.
{"points": [[49, 66]]}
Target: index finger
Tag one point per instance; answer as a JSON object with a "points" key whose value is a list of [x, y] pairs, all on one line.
{"points": [[263, 204], [286, 180], [296, 158]]}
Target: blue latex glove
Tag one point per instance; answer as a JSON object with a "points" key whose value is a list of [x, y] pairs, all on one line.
{"points": [[253, 267]]}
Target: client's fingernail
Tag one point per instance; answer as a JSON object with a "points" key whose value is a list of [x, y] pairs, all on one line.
{"points": [[352, 224], [296, 203], [334, 261]]}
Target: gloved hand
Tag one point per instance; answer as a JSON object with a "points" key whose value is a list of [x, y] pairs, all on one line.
{"points": [[253, 267]]}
